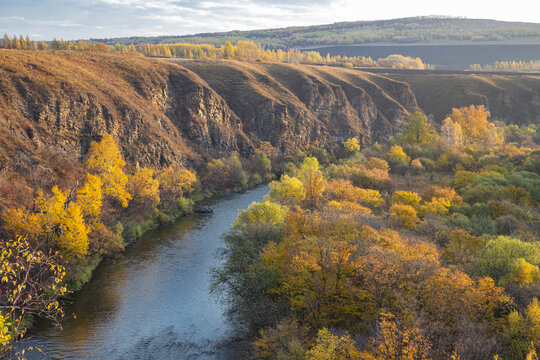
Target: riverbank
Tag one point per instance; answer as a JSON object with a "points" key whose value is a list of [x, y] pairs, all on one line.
{"points": [[154, 301]]}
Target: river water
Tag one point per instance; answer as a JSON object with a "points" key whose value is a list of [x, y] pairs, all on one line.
{"points": [[153, 302]]}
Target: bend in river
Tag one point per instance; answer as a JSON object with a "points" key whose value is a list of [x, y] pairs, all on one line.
{"points": [[154, 302]]}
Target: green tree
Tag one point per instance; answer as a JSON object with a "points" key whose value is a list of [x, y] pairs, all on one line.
{"points": [[417, 131]]}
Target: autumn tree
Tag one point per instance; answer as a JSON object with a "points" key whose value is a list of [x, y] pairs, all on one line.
{"points": [[417, 130], [451, 135], [352, 145], [329, 346], [397, 156], [175, 183], [226, 173], [473, 121], [31, 281], [144, 189], [404, 215], [312, 179], [106, 161], [288, 190]]}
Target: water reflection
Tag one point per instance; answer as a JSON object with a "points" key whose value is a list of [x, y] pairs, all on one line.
{"points": [[154, 302]]}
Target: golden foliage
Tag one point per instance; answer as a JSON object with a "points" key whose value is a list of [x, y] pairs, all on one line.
{"points": [[351, 145], [404, 215], [289, 190], [397, 155], [144, 189], [106, 161], [473, 121], [175, 183], [331, 347]]}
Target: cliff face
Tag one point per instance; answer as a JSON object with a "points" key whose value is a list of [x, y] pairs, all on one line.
{"points": [[184, 112]]}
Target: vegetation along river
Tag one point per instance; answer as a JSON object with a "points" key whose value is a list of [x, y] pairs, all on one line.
{"points": [[153, 302]]}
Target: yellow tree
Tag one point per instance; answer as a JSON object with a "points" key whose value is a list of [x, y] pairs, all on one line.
{"points": [[175, 183], [473, 121], [352, 145], [404, 215], [397, 155], [288, 190], [31, 281], [313, 181], [144, 189], [106, 161]]}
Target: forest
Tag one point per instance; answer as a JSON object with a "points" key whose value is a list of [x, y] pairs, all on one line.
{"points": [[242, 51], [422, 248], [419, 29]]}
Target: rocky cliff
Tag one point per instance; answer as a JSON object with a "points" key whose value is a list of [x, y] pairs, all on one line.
{"points": [[163, 112]]}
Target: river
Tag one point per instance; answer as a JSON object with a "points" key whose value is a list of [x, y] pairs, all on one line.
{"points": [[153, 302]]}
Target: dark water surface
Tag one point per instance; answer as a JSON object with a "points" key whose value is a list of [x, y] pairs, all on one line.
{"points": [[154, 302], [443, 57]]}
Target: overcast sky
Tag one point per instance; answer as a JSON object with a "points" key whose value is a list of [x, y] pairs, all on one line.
{"points": [[72, 19]]}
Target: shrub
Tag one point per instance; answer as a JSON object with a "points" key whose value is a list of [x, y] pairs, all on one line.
{"points": [[506, 225], [407, 198], [403, 215], [226, 173], [483, 224], [397, 156], [289, 190]]}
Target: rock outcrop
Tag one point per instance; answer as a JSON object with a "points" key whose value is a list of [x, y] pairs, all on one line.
{"points": [[184, 112]]}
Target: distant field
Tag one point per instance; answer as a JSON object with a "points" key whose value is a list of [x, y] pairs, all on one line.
{"points": [[443, 57]]}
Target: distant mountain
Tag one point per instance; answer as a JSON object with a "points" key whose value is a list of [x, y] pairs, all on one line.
{"points": [[425, 29]]}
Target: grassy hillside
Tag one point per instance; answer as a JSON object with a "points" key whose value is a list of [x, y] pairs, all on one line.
{"points": [[406, 30], [512, 99]]}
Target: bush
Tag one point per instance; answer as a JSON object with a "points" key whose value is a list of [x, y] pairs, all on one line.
{"points": [[506, 225], [482, 224], [226, 174], [403, 215], [461, 221]]}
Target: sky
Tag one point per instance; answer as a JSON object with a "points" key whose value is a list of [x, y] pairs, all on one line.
{"points": [[84, 19]]}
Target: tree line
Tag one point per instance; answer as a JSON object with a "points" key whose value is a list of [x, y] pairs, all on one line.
{"points": [[243, 51], [512, 66]]}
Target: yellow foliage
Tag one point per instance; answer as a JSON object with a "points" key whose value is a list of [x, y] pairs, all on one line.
{"points": [[524, 273], [106, 161], [350, 207], [437, 206], [143, 188], [5, 336], [22, 223], [435, 191], [397, 155], [261, 212], [312, 178], [407, 198], [289, 190], [398, 341], [331, 347], [89, 197], [404, 215], [351, 145], [473, 121], [175, 183], [377, 163], [64, 223]]}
